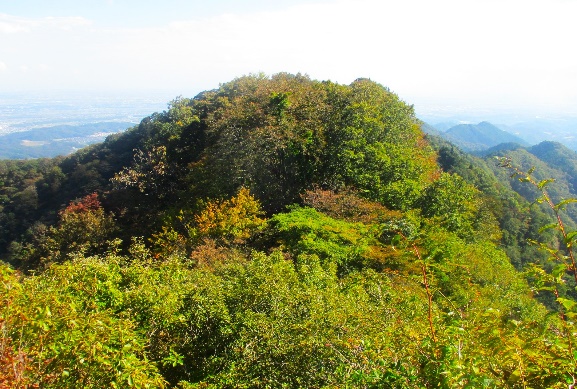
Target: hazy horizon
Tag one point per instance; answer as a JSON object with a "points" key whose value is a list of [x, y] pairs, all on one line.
{"points": [[509, 55]]}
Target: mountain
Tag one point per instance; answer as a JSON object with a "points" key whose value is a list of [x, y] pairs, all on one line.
{"points": [[558, 156], [279, 232], [501, 147], [558, 129], [549, 160], [51, 141], [479, 137], [429, 129], [444, 126], [519, 223]]}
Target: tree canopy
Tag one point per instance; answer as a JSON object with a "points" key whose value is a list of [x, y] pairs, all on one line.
{"points": [[281, 232]]}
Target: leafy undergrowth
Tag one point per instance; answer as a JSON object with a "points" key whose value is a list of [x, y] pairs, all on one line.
{"points": [[336, 303], [272, 233]]}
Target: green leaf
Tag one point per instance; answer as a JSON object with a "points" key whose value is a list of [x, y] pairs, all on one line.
{"points": [[566, 303], [559, 269], [563, 203], [570, 236], [548, 288], [548, 227], [543, 183]]}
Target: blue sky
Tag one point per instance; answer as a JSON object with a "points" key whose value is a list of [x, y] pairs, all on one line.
{"points": [[442, 54], [139, 13]]}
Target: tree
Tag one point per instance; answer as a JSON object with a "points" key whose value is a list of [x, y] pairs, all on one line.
{"points": [[453, 202], [83, 226]]}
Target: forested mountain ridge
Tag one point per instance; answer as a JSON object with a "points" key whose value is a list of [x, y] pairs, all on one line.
{"points": [[274, 232], [518, 214], [477, 137], [550, 161]]}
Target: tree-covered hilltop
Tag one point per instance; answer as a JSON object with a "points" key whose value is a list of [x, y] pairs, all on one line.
{"points": [[476, 138], [275, 232], [275, 136]]}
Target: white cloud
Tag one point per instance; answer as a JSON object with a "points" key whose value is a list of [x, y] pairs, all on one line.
{"points": [[12, 24], [3, 67], [484, 50], [66, 23]]}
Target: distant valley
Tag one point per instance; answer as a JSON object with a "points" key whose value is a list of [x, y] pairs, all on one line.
{"points": [[56, 140], [48, 125]]}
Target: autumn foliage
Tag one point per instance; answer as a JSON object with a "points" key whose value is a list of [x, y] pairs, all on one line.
{"points": [[277, 232]]}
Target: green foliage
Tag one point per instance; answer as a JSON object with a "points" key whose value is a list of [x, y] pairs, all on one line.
{"points": [[280, 136], [383, 271], [518, 221], [265, 321], [559, 157], [83, 226], [563, 269], [451, 201], [370, 149], [306, 231], [148, 171], [542, 173], [23, 184], [279, 102], [61, 324]]}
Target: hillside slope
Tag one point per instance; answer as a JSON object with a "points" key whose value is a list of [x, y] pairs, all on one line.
{"points": [[276, 232], [479, 137]]}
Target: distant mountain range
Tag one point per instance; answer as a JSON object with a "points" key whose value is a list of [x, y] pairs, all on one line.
{"points": [[528, 126], [562, 130], [56, 140], [475, 138]]}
